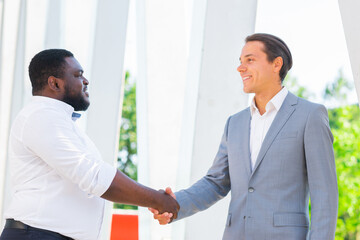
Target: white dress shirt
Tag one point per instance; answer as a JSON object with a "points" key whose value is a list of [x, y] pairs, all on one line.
{"points": [[260, 124], [57, 172]]}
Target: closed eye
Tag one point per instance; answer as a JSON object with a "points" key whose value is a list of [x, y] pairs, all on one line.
{"points": [[79, 74]]}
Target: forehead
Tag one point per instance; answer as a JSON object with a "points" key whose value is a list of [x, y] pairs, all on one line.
{"points": [[253, 48], [72, 64]]}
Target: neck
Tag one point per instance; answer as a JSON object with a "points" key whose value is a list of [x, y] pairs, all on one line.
{"points": [[261, 99]]}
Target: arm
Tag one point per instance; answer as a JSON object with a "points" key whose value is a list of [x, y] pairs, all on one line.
{"points": [[208, 190], [71, 154], [125, 190], [321, 175]]}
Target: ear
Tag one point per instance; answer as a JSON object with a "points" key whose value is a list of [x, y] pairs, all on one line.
{"points": [[55, 84], [278, 63]]}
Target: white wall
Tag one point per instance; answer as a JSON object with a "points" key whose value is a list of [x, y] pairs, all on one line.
{"points": [[162, 52], [350, 18], [213, 93]]}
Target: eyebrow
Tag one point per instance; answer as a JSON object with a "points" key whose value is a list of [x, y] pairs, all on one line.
{"points": [[248, 55]]}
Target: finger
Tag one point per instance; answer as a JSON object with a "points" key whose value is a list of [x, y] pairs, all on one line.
{"points": [[174, 215], [170, 192], [164, 222], [162, 219], [154, 211], [163, 215], [158, 216]]}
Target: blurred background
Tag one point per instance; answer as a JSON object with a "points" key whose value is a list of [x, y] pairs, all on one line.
{"points": [[164, 75]]}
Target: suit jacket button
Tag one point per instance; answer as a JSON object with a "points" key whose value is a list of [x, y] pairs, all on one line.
{"points": [[251, 189]]}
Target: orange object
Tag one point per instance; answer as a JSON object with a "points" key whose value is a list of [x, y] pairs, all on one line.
{"points": [[124, 227]]}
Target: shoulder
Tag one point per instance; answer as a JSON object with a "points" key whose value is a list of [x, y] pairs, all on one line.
{"points": [[306, 106], [41, 115], [245, 113], [312, 112], [238, 119]]}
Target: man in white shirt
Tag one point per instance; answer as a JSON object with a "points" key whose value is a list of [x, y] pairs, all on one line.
{"points": [[59, 178], [272, 156]]}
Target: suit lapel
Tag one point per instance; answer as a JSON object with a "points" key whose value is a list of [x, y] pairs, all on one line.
{"points": [[287, 108], [246, 140]]}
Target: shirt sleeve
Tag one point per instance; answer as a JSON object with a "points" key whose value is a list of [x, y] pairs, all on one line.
{"points": [[55, 139]]}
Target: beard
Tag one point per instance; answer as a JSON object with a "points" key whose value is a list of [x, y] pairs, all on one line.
{"points": [[77, 101]]}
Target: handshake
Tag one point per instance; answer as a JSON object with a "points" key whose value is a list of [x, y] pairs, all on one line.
{"points": [[166, 216]]}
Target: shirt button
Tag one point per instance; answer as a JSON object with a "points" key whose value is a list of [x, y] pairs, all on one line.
{"points": [[251, 189]]}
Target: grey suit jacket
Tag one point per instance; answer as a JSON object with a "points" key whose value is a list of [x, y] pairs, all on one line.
{"points": [[296, 161]]}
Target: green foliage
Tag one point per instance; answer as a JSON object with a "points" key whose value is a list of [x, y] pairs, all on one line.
{"points": [[292, 85], [128, 141], [336, 92], [345, 125]]}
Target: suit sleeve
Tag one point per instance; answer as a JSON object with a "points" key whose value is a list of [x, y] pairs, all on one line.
{"points": [[209, 189], [321, 175]]}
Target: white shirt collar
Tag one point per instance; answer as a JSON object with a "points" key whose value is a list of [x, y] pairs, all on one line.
{"points": [[275, 102], [69, 110]]}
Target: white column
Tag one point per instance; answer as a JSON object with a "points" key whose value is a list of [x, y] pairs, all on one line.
{"points": [[213, 93], [2, 117], [2, 11], [142, 125], [16, 100], [54, 37], [349, 10], [103, 119], [162, 47]]}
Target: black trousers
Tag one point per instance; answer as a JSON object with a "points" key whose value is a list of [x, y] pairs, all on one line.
{"points": [[30, 233]]}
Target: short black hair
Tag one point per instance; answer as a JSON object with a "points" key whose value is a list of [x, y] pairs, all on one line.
{"points": [[50, 62], [274, 47]]}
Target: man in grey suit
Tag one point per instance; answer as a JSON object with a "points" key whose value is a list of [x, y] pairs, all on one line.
{"points": [[273, 156]]}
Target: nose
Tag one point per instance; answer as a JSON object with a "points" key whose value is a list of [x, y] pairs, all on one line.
{"points": [[241, 68], [85, 81]]}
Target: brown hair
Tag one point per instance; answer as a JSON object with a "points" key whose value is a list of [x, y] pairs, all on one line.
{"points": [[274, 47]]}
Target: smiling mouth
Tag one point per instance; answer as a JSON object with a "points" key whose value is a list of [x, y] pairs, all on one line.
{"points": [[246, 78]]}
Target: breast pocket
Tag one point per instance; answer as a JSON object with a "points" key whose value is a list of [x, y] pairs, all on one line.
{"points": [[287, 135]]}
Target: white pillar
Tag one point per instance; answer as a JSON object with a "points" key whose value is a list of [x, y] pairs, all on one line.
{"points": [[3, 141], [162, 52], [16, 100], [54, 37], [349, 10], [2, 11], [213, 93], [142, 117], [103, 119]]}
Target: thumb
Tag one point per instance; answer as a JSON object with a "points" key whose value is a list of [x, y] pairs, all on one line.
{"points": [[170, 192]]}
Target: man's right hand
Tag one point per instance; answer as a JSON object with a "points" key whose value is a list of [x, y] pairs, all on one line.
{"points": [[165, 217], [127, 191]]}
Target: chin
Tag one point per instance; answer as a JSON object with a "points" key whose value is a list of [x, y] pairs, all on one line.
{"points": [[247, 91]]}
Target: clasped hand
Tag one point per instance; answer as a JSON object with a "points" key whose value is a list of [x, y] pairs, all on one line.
{"points": [[165, 217]]}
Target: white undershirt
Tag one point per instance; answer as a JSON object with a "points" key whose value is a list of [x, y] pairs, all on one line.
{"points": [[260, 124], [57, 172]]}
